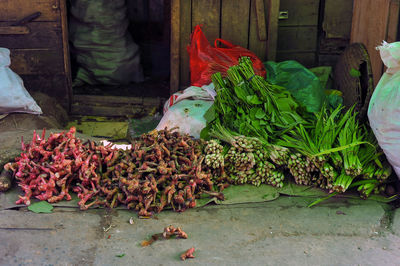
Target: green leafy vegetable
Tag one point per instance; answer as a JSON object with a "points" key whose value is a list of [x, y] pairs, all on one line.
{"points": [[41, 207], [355, 73]]}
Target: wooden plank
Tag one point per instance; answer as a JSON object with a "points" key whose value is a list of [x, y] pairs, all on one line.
{"points": [[301, 12], [116, 100], [52, 85], [328, 59], [297, 38], [369, 26], [207, 12], [333, 46], [153, 101], [337, 18], [37, 61], [235, 22], [273, 14], [101, 100], [15, 10], [66, 55], [109, 111], [308, 59], [174, 50], [42, 35], [255, 44], [13, 30], [393, 21], [261, 19], [184, 37]]}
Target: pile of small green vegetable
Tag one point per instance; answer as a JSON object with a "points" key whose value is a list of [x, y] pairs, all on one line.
{"points": [[267, 135]]}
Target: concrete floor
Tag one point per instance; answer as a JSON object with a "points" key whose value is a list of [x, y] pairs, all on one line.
{"points": [[279, 232]]}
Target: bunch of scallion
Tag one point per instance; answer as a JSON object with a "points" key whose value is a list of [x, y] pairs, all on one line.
{"points": [[247, 160]]}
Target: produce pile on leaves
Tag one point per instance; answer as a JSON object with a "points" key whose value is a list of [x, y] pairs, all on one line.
{"points": [[256, 134], [269, 135], [163, 169]]}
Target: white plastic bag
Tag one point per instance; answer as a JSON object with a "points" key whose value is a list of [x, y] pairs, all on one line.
{"points": [[384, 107], [185, 110], [206, 92], [13, 95]]}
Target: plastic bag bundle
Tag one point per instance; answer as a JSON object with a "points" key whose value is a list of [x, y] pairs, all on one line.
{"points": [[185, 110], [101, 45], [384, 107], [303, 84], [205, 59], [14, 98]]}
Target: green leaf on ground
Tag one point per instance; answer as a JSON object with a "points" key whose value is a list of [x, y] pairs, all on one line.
{"points": [[292, 189], [205, 200], [383, 199], [120, 255], [249, 193], [41, 207]]}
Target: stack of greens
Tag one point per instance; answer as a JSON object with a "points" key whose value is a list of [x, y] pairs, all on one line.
{"points": [[268, 134], [247, 104]]}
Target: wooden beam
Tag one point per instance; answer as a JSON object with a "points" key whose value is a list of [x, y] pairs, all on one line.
{"points": [[207, 13], [235, 22], [14, 30], [175, 31], [65, 47], [260, 15], [393, 21], [184, 41], [273, 17], [15, 10], [369, 26]]}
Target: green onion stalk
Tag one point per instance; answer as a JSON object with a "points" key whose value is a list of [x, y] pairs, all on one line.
{"points": [[214, 157], [247, 160], [366, 189]]}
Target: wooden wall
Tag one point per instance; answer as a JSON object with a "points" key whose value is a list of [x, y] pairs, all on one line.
{"points": [[298, 35], [316, 31], [335, 30], [39, 55], [375, 21], [249, 23]]}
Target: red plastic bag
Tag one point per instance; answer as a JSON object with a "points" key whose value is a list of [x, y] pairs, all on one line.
{"points": [[206, 60]]}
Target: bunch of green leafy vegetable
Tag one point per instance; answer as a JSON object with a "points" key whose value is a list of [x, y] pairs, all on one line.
{"points": [[249, 105]]}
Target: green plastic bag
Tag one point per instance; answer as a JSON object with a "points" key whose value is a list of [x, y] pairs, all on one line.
{"points": [[304, 85], [333, 97]]}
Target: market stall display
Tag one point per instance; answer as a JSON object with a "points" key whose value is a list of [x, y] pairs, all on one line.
{"points": [[256, 133]]}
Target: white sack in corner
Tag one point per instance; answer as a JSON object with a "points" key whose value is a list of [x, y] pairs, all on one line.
{"points": [[384, 107], [14, 98]]}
